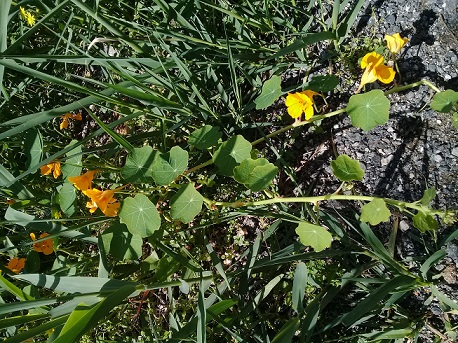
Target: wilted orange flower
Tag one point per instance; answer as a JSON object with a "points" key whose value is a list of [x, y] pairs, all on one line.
{"points": [[46, 246], [374, 69], [16, 265], [53, 167], [395, 42], [301, 102], [65, 117], [104, 200], [83, 182]]}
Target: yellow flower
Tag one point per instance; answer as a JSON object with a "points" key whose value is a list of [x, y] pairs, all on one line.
{"points": [[83, 182], [65, 117], [104, 200], [27, 16], [16, 265], [46, 246], [395, 42], [53, 167], [374, 69], [301, 102]]}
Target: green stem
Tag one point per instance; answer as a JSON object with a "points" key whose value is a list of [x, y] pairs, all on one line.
{"points": [[315, 199], [412, 85]]}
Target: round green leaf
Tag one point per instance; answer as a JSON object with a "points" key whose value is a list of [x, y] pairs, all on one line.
{"points": [[167, 167], [205, 137], [67, 197], [138, 167], [425, 222], [186, 203], [231, 153], [314, 235], [121, 244], [375, 212], [140, 216], [255, 174], [444, 101], [271, 91], [455, 120], [369, 109], [322, 83], [33, 147], [347, 169]]}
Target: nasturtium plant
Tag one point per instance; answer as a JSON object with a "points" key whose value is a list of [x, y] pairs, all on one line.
{"points": [[140, 216], [186, 203], [428, 196], [347, 169], [205, 137], [314, 235], [138, 167], [444, 101], [375, 212], [255, 174], [368, 110], [167, 167], [121, 244], [231, 153], [425, 222], [271, 91], [72, 167], [455, 120], [322, 83], [33, 147]]}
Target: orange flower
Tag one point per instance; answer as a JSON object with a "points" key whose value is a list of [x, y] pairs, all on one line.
{"points": [[16, 265], [65, 117], [395, 42], [104, 200], [374, 69], [53, 167], [46, 246], [83, 182], [301, 102]]}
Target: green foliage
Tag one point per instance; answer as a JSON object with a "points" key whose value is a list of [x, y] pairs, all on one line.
{"points": [[231, 153], [140, 216], [191, 255], [347, 169], [271, 91], [205, 137], [139, 165], [369, 109], [314, 235], [375, 212], [186, 203], [256, 174], [444, 101], [167, 167]]}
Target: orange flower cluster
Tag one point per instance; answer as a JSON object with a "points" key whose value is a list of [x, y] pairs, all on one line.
{"points": [[104, 200], [16, 265], [46, 246], [66, 117], [53, 167]]}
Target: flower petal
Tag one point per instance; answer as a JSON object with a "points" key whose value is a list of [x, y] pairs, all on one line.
{"points": [[373, 59], [385, 74]]}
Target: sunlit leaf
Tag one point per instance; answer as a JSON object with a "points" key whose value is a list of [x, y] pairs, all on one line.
{"points": [[255, 174], [425, 222], [205, 137], [375, 212], [314, 235], [186, 203], [140, 216], [428, 196], [231, 153], [347, 169], [138, 167], [444, 101], [121, 244], [167, 167], [271, 91], [369, 109]]}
